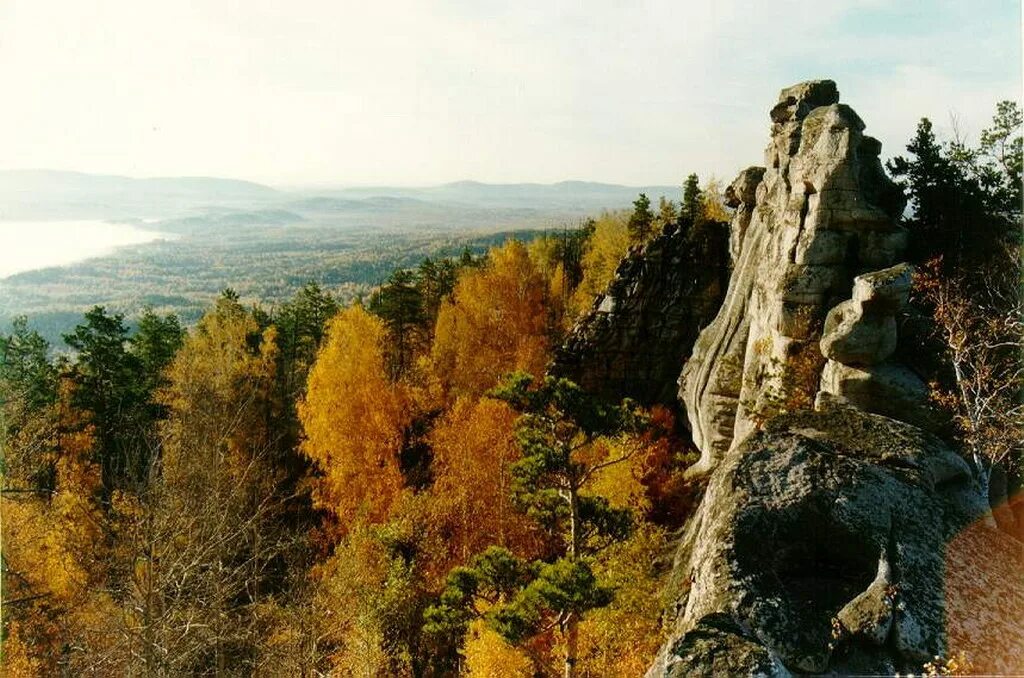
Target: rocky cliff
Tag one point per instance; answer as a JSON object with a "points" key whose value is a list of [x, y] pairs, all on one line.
{"points": [[837, 534], [637, 334]]}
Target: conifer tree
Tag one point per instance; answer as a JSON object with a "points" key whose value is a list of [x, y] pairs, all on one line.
{"points": [[399, 303], [26, 373], [691, 208], [107, 375], [154, 345], [557, 431], [301, 328], [435, 281], [641, 223]]}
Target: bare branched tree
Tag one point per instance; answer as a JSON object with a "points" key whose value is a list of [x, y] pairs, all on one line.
{"points": [[980, 320]]}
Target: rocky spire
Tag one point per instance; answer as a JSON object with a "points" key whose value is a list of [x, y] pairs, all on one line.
{"points": [[820, 212]]}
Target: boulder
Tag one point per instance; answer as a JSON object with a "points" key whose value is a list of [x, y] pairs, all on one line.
{"points": [[840, 542], [889, 389], [718, 646], [862, 330], [860, 339], [853, 339], [796, 101]]}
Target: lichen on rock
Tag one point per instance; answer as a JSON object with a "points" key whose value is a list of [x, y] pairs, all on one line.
{"points": [[828, 539]]}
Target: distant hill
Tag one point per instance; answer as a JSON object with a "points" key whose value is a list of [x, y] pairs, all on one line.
{"points": [[564, 195], [49, 194], [326, 204], [228, 220]]}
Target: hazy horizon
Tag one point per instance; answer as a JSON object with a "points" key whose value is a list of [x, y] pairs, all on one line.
{"points": [[328, 185], [314, 93]]}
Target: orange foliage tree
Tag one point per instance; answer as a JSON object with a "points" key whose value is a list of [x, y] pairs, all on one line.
{"points": [[55, 555], [354, 419], [498, 322], [474, 446]]}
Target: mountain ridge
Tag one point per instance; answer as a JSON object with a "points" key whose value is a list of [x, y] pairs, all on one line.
{"points": [[58, 194]]}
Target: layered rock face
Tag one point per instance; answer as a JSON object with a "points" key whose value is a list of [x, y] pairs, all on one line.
{"points": [[838, 535], [637, 334], [819, 213]]}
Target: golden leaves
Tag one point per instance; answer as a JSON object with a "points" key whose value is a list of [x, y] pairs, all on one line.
{"points": [[497, 323], [354, 419], [487, 655]]}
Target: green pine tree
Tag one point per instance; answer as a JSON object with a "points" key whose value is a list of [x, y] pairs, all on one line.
{"points": [[558, 424], [641, 222], [691, 211], [399, 303]]}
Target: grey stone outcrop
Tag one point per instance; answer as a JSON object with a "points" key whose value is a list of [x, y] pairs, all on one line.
{"points": [[840, 542], [860, 339], [838, 535], [823, 211], [862, 330]]}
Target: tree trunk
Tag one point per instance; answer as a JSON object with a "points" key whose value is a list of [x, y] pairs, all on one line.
{"points": [[983, 469], [571, 630], [574, 524], [571, 642]]}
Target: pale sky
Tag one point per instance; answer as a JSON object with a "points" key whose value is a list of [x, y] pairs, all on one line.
{"points": [[402, 92]]}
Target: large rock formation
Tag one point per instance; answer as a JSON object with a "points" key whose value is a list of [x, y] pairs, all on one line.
{"points": [[859, 341], [822, 212], [637, 334], [838, 535], [847, 543]]}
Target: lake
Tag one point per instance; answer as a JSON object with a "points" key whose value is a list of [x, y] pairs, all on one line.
{"points": [[31, 245]]}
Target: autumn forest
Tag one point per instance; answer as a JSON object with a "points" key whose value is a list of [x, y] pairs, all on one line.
{"points": [[388, 488]]}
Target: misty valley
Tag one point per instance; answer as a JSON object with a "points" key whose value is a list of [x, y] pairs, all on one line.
{"points": [[198, 237]]}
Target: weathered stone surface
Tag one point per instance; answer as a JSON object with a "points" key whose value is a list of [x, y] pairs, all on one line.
{"points": [[889, 389], [796, 101], [717, 646], [853, 339], [862, 331], [638, 333], [870, 614], [885, 291], [741, 195], [843, 520], [845, 539], [860, 340], [823, 212]]}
